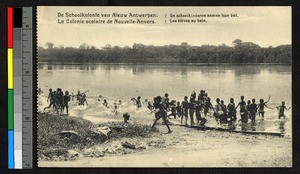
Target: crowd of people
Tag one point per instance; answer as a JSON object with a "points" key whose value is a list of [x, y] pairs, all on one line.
{"points": [[199, 106], [59, 100]]}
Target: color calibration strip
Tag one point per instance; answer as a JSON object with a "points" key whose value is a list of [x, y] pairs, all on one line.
{"points": [[17, 64], [19, 60], [11, 155]]}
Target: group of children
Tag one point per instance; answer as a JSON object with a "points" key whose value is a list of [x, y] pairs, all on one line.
{"points": [[187, 108], [222, 113], [116, 105], [247, 111], [59, 101], [195, 105]]}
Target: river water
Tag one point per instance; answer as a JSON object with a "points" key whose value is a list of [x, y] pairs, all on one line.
{"points": [[123, 81]]}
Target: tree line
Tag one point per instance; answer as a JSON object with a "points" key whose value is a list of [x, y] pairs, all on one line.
{"points": [[239, 52]]}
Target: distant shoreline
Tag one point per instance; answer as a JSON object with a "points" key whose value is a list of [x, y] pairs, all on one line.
{"points": [[240, 52]]}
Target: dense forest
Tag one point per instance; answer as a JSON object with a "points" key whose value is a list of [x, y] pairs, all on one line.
{"points": [[239, 52]]}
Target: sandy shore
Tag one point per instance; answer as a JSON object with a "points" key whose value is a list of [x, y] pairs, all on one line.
{"points": [[186, 147]]}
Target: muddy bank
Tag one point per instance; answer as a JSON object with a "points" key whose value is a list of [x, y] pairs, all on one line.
{"points": [[186, 147], [68, 138]]}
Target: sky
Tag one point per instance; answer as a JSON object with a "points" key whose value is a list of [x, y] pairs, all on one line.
{"points": [[265, 26]]}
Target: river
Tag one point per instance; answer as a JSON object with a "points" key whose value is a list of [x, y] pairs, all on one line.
{"points": [[123, 81]]}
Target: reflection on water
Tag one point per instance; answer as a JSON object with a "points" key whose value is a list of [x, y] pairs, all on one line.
{"points": [[282, 126], [237, 70], [177, 79], [270, 125]]}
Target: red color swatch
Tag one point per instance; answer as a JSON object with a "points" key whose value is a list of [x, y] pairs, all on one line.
{"points": [[9, 27]]}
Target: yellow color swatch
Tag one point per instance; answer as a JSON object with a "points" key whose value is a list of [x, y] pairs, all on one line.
{"points": [[10, 68]]}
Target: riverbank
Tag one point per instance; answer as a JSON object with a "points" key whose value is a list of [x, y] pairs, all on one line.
{"points": [[184, 147], [62, 137]]}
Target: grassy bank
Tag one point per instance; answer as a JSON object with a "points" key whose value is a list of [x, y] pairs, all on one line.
{"points": [[81, 134]]}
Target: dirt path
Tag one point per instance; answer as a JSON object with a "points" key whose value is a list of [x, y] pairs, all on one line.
{"points": [[186, 147]]}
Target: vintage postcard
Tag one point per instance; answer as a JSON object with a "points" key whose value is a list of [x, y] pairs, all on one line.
{"points": [[164, 86]]}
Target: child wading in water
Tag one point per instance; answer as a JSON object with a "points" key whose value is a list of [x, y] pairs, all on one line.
{"points": [[218, 111], [253, 110], [66, 99], [243, 111], [115, 110], [207, 106], [231, 110], [83, 100], [192, 110], [105, 104], [198, 113], [126, 117], [248, 109], [261, 107], [179, 110], [173, 109], [281, 108], [224, 119], [165, 100], [51, 98], [185, 108], [137, 101]]}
